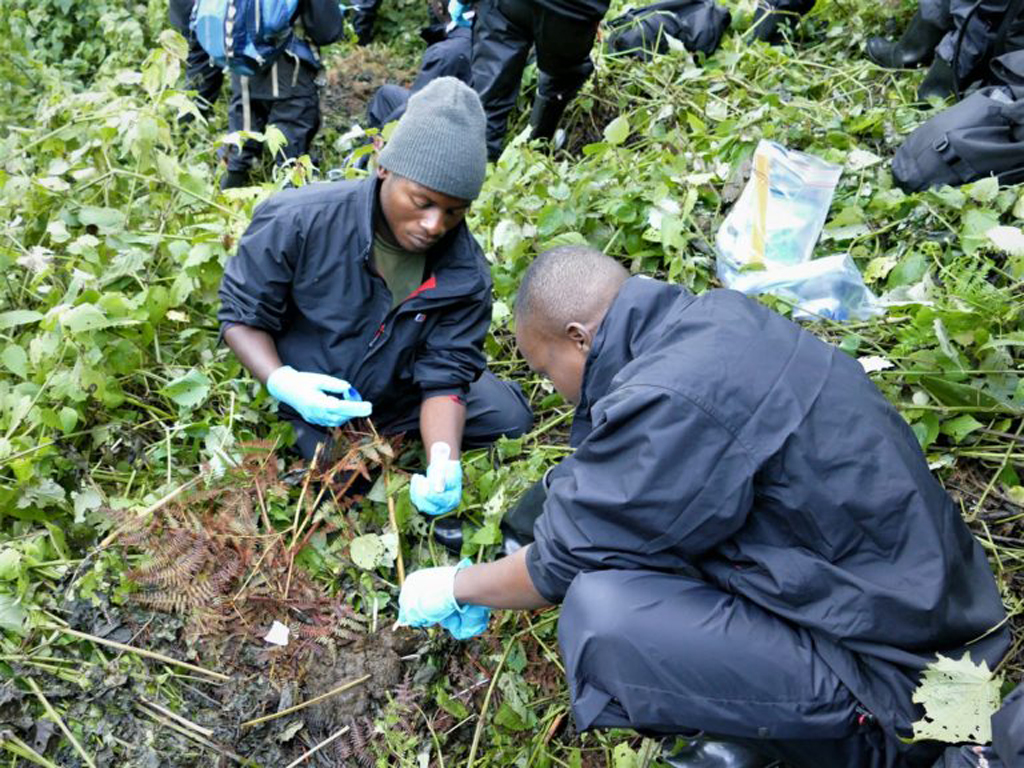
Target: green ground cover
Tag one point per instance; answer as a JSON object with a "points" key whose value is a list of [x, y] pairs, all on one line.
{"points": [[115, 395]]}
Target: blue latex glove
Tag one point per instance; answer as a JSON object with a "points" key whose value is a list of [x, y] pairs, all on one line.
{"points": [[458, 13], [428, 598], [306, 393], [423, 489]]}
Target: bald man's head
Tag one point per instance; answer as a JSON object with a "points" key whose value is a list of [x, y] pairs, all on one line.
{"points": [[562, 300], [571, 283]]}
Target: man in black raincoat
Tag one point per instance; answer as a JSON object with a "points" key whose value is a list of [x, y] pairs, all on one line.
{"points": [[373, 295], [747, 540]]}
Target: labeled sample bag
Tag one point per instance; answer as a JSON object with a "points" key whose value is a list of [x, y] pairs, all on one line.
{"points": [[767, 240]]}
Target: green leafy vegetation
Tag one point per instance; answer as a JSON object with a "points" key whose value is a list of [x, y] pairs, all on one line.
{"points": [[116, 399]]}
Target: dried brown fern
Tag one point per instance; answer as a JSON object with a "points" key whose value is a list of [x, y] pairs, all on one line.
{"points": [[212, 555]]}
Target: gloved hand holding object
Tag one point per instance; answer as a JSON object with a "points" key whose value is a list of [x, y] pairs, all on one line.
{"points": [[428, 598], [458, 11], [440, 490], [306, 393]]}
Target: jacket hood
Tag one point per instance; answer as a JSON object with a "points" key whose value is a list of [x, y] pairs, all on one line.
{"points": [[641, 305]]}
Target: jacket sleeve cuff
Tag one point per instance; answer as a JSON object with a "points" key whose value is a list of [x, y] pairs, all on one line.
{"points": [[456, 393], [542, 582]]}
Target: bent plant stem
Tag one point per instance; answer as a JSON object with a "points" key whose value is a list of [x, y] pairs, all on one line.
{"points": [[188, 733], [393, 520], [139, 652], [309, 702], [995, 475], [333, 737], [19, 748], [60, 722], [481, 720]]}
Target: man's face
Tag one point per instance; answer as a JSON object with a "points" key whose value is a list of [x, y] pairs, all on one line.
{"points": [[417, 217], [559, 358]]}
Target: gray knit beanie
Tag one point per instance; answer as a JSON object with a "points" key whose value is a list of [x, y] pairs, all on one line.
{"points": [[439, 142]]}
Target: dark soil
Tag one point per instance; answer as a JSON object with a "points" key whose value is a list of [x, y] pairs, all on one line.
{"points": [[353, 78]]}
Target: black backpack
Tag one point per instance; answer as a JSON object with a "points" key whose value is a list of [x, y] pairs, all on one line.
{"points": [[983, 135], [644, 32]]}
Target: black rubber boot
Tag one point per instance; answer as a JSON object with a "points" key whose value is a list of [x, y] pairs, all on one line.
{"points": [[546, 114], [938, 81], [915, 48], [448, 533], [705, 753]]}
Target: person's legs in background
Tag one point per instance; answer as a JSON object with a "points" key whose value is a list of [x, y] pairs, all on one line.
{"points": [[563, 58], [502, 37]]}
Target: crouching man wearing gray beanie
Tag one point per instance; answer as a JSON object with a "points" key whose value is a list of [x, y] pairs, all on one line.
{"points": [[372, 298]]}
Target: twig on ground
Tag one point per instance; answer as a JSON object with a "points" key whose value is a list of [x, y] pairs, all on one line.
{"points": [[310, 702], [60, 723], [139, 652], [184, 722], [333, 737], [190, 734]]}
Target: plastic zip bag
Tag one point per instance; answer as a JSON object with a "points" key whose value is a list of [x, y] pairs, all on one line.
{"points": [[767, 240]]}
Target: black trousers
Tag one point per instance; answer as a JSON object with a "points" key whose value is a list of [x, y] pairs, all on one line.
{"points": [[386, 105], [494, 408], [676, 654], [296, 113], [503, 34], [973, 26]]}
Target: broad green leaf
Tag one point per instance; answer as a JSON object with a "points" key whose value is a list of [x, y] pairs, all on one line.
{"points": [[961, 426], [879, 268], [68, 419], [974, 232], [15, 359], [367, 551], [954, 394], [189, 390], [617, 131], [12, 614], [84, 317], [173, 42], [16, 317], [10, 564], [84, 501], [959, 698], [985, 190], [106, 220], [909, 270], [624, 756]]}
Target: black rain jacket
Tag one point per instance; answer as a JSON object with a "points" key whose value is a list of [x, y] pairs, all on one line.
{"points": [[718, 439], [302, 274]]}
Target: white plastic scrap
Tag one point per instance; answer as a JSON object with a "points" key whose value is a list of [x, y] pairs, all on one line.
{"points": [[278, 634]]}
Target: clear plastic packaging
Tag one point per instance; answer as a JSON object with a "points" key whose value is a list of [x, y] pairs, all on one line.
{"points": [[767, 240]]}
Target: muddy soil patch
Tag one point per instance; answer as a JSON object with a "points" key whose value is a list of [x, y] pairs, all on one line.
{"points": [[353, 78]]}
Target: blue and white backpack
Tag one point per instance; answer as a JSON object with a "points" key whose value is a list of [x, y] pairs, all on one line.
{"points": [[243, 36]]}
